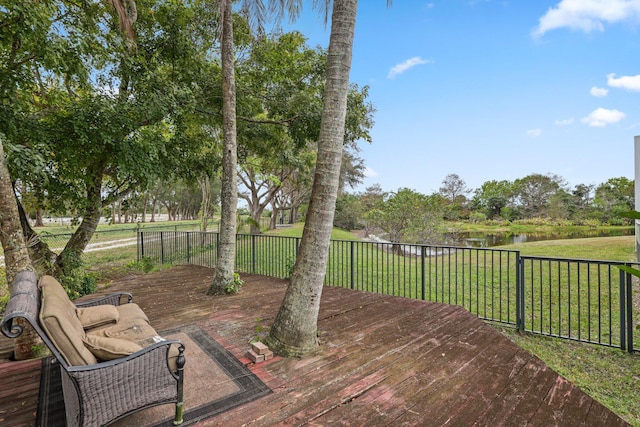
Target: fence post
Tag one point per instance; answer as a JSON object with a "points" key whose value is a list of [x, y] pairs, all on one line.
{"points": [[188, 248], [140, 251], [623, 315], [175, 250], [253, 253], [162, 247], [352, 267], [217, 247], [423, 272], [519, 293], [629, 298]]}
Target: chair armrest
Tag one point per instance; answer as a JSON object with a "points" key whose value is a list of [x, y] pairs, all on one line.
{"points": [[112, 299], [159, 348]]}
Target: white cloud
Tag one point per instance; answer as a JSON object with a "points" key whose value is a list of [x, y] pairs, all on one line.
{"points": [[369, 173], [398, 69], [599, 91], [587, 15], [601, 117], [534, 133], [625, 82], [564, 122]]}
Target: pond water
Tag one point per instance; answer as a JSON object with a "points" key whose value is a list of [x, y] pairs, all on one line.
{"points": [[485, 240]]}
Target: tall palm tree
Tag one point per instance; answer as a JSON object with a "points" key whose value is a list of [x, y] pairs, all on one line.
{"points": [[294, 331], [229, 191], [255, 10]]}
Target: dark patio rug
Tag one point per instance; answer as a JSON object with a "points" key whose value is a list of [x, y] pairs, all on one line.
{"points": [[215, 381]]}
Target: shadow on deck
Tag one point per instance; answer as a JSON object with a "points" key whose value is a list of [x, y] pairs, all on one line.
{"points": [[383, 361]]}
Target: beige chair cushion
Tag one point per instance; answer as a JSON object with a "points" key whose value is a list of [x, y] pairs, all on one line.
{"points": [[131, 311], [126, 313], [105, 348], [99, 315], [136, 330], [59, 320]]}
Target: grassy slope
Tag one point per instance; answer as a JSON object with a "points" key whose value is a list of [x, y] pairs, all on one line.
{"points": [[605, 248], [296, 231]]}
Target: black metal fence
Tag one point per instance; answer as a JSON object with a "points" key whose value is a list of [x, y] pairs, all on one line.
{"points": [[583, 300], [113, 236]]}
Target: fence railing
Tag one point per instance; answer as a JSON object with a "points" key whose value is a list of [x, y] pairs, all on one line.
{"points": [[583, 300], [116, 235]]}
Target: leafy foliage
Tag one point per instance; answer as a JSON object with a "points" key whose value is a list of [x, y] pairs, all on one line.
{"points": [[410, 217], [145, 264], [349, 215], [235, 285], [96, 111], [78, 282]]}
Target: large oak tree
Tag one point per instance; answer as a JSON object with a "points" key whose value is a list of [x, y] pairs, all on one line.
{"points": [[93, 97]]}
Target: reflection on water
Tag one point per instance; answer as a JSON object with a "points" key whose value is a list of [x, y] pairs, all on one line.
{"points": [[485, 240]]}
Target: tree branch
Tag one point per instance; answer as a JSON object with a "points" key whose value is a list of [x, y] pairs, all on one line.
{"points": [[268, 122]]}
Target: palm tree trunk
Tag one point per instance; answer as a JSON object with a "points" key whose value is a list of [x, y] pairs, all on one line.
{"points": [[229, 194], [294, 331]]}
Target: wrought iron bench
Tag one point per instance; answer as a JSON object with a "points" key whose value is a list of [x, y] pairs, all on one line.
{"points": [[113, 363]]}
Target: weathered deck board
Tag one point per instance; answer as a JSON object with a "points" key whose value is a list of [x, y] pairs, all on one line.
{"points": [[382, 361], [20, 382]]}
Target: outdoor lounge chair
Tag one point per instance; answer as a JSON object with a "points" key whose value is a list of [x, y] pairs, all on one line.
{"points": [[113, 362]]}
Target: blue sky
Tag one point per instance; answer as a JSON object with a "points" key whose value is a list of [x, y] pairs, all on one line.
{"points": [[494, 89]]}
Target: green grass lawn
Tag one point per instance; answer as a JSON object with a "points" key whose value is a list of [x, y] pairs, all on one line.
{"points": [[530, 228], [601, 248], [295, 230]]}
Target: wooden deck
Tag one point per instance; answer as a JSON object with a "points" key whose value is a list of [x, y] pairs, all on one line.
{"points": [[383, 361]]}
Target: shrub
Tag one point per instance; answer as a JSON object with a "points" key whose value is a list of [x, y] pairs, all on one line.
{"points": [[145, 264], [542, 221], [477, 217], [617, 221], [79, 283], [3, 281], [3, 303], [235, 285], [591, 223]]}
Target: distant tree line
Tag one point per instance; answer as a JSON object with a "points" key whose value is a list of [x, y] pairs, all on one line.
{"points": [[408, 216]]}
